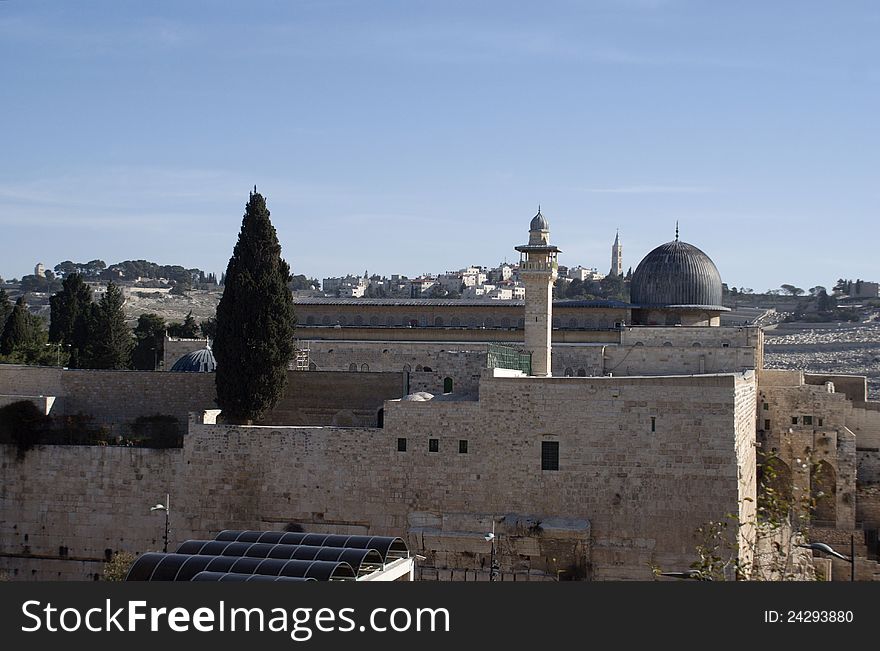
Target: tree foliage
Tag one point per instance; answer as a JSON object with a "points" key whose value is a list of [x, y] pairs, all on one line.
{"points": [[18, 331], [5, 308], [72, 314], [149, 335], [111, 342], [189, 329], [255, 320]]}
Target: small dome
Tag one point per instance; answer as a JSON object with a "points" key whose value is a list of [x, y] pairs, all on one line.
{"points": [[539, 223], [198, 361], [676, 274]]}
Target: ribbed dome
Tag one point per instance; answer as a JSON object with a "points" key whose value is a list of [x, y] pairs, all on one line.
{"points": [[676, 273], [539, 223], [198, 361]]}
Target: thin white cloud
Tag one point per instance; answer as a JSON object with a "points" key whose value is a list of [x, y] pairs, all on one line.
{"points": [[651, 189]]}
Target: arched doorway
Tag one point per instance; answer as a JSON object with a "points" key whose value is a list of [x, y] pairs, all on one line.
{"points": [[823, 493], [447, 385]]}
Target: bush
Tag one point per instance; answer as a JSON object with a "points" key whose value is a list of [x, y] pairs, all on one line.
{"points": [[157, 431], [22, 424], [116, 569]]}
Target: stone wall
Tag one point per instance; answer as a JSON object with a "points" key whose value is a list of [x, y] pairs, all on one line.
{"points": [[642, 463], [116, 398], [65, 508], [643, 351]]}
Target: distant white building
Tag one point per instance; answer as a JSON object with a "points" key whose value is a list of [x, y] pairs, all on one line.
{"points": [[40, 270]]}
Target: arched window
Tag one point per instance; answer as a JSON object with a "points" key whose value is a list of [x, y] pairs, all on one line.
{"points": [[568, 371], [313, 366], [374, 320], [582, 372], [389, 321], [456, 321], [358, 320], [447, 385], [667, 344], [556, 322], [572, 323], [490, 322], [365, 368], [427, 369], [407, 368], [325, 320], [697, 344], [352, 367], [341, 320], [522, 323], [438, 321], [419, 367], [310, 320], [505, 322]]}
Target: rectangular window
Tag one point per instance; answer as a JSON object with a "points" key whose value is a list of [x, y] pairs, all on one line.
{"points": [[549, 455], [794, 420], [462, 447], [401, 445], [767, 424], [808, 420], [433, 445], [653, 423], [766, 406], [820, 421]]}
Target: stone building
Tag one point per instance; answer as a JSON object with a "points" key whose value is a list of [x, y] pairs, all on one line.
{"points": [[594, 448]]}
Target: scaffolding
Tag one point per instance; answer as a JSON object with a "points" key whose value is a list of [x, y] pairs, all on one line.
{"points": [[300, 355], [507, 356]]}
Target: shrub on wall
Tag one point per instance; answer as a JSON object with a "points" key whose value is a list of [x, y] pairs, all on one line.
{"points": [[157, 431], [22, 424]]}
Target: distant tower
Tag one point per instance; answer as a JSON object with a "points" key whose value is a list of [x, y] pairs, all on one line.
{"points": [[616, 257], [40, 270], [538, 270]]}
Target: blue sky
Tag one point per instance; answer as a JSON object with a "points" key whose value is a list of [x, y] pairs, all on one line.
{"points": [[415, 136]]}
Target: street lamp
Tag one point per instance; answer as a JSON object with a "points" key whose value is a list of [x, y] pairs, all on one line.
{"points": [[493, 565], [167, 508], [828, 549]]}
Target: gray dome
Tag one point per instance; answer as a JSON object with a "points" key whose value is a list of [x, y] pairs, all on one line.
{"points": [[539, 223], [676, 274], [198, 361]]}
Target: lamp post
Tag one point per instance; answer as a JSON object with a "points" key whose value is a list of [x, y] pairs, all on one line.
{"points": [[828, 549], [167, 508], [493, 565]]}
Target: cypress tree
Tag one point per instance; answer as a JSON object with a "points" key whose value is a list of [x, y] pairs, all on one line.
{"points": [[72, 311], [18, 329], [112, 341], [255, 319], [5, 309]]}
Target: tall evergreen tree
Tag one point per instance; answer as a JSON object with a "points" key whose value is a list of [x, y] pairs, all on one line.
{"points": [[255, 320], [18, 330], [149, 336], [72, 313], [5, 308], [111, 342]]}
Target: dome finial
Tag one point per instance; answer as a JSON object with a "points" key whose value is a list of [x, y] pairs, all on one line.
{"points": [[539, 209], [676, 230]]}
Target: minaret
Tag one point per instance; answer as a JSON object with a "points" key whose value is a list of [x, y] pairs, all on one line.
{"points": [[616, 257], [538, 270]]}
